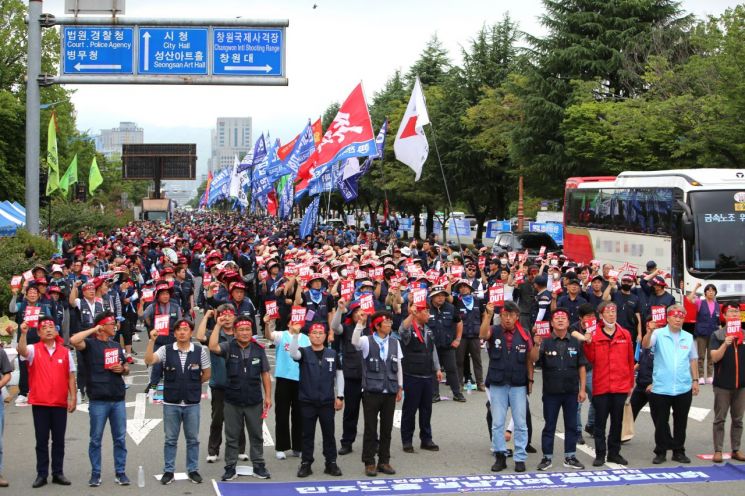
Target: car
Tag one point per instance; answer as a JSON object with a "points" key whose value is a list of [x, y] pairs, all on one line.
{"points": [[521, 241]]}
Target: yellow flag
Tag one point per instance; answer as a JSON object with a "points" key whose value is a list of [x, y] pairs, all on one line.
{"points": [[52, 158], [95, 179]]}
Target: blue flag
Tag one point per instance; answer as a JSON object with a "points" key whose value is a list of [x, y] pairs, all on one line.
{"points": [[309, 219], [219, 187], [304, 146], [348, 187], [260, 183], [274, 164]]}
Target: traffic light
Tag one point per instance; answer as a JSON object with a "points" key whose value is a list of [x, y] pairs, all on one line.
{"points": [[43, 198], [81, 192]]}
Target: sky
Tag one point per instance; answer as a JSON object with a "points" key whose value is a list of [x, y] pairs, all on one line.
{"points": [[331, 45]]}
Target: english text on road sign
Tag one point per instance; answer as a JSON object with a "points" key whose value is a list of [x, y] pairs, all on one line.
{"points": [[174, 50], [97, 50], [241, 52]]}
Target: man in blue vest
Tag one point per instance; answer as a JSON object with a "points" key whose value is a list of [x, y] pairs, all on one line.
{"points": [[447, 329], [674, 382], [509, 379], [248, 371], [320, 371], [105, 366], [185, 367]]}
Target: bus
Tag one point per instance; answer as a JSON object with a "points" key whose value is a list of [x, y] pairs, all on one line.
{"points": [[690, 222]]}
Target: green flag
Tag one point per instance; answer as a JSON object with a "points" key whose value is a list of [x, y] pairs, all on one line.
{"points": [[70, 177], [52, 158], [95, 179]]}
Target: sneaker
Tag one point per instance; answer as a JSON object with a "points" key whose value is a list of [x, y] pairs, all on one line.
{"points": [[459, 398], [166, 478], [436, 398], [680, 457], [572, 462], [243, 457], [195, 477], [95, 480], [211, 458], [618, 459], [545, 464], [21, 400], [530, 449], [3, 481], [710, 380], [260, 471], [296, 454], [500, 462], [304, 470], [281, 455], [345, 449], [229, 474], [122, 479], [508, 452], [332, 469], [136, 337], [599, 461], [519, 466], [659, 458], [701, 381]]}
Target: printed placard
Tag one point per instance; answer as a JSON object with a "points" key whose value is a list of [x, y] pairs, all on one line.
{"points": [[360, 274], [419, 297], [298, 315], [592, 326], [542, 251], [272, 311], [519, 277], [28, 275], [367, 304], [511, 257], [161, 324], [334, 276], [206, 279], [456, 271], [378, 273], [555, 286], [659, 315], [16, 281], [325, 271], [595, 263], [496, 295], [542, 328], [482, 262], [259, 260], [31, 316], [304, 272], [613, 274], [148, 295], [734, 329], [347, 289], [110, 358], [433, 275]]}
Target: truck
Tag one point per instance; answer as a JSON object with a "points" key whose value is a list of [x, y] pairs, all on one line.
{"points": [[157, 209]]}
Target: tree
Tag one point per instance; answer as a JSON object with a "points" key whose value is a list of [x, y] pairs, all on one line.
{"points": [[432, 65]]}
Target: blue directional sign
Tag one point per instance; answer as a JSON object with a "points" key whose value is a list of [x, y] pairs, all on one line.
{"points": [[553, 229], [243, 52], [97, 50], [174, 50], [493, 227]]}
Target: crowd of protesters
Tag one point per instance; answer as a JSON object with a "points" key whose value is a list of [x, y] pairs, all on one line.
{"points": [[358, 320]]}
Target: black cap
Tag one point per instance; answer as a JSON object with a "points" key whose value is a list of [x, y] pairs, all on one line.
{"points": [[651, 265]]}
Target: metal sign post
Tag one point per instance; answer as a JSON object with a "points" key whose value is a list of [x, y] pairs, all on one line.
{"points": [[119, 50]]}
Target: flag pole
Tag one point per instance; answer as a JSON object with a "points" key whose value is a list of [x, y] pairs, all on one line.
{"points": [[445, 182]]}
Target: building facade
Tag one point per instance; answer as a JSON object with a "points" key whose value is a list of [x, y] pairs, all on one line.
{"points": [[110, 141], [231, 137]]}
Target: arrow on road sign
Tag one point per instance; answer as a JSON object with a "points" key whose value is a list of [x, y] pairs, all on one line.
{"points": [[146, 63], [139, 427], [100, 67], [259, 68]]}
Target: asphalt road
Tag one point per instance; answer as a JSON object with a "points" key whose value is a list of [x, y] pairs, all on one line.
{"points": [[459, 429]]}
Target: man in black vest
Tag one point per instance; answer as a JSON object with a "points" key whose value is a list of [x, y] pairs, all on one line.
{"points": [[509, 379], [420, 366], [319, 371], [105, 366], [447, 329], [185, 367], [319, 304], [247, 371], [162, 316], [382, 382], [87, 308], [563, 364], [469, 307], [344, 322]]}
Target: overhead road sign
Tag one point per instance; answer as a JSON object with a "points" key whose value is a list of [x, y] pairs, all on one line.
{"points": [[95, 7], [170, 51], [176, 50], [159, 161], [97, 49]]}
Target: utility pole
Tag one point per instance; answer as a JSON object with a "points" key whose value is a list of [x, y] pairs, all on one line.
{"points": [[520, 210], [33, 115]]}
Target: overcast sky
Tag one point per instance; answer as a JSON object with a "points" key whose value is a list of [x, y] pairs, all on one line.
{"points": [[329, 49]]}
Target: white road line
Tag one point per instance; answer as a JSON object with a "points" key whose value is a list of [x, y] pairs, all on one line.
{"points": [[268, 440], [696, 413], [591, 452], [397, 419]]}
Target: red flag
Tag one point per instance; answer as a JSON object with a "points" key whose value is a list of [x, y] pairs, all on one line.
{"points": [[271, 203], [303, 173]]}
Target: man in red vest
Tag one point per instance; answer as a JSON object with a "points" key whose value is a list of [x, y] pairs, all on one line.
{"points": [[51, 375]]}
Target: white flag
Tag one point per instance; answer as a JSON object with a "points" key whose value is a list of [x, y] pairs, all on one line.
{"points": [[235, 181], [411, 145], [350, 167]]}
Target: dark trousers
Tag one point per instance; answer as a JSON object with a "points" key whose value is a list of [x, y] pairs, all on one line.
{"points": [[49, 419], [374, 404], [324, 415], [82, 370], [216, 422], [469, 348], [447, 363], [417, 396], [286, 412], [608, 405], [567, 402], [352, 400], [639, 398], [661, 404], [23, 378]]}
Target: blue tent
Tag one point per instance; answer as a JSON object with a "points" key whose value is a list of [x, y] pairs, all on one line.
{"points": [[7, 227], [10, 214], [17, 208]]}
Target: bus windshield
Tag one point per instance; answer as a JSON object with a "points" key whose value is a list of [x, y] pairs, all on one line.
{"points": [[719, 220]]}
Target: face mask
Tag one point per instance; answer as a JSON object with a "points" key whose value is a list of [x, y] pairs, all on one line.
{"points": [[467, 301], [344, 272], [315, 295], [503, 261], [554, 263], [626, 287]]}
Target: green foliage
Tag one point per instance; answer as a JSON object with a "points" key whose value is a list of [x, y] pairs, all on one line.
{"points": [[76, 216], [13, 259]]}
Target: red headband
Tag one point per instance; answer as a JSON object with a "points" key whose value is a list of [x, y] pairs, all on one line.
{"points": [[107, 320], [676, 313], [228, 311], [561, 312], [243, 323], [378, 320], [185, 324]]}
